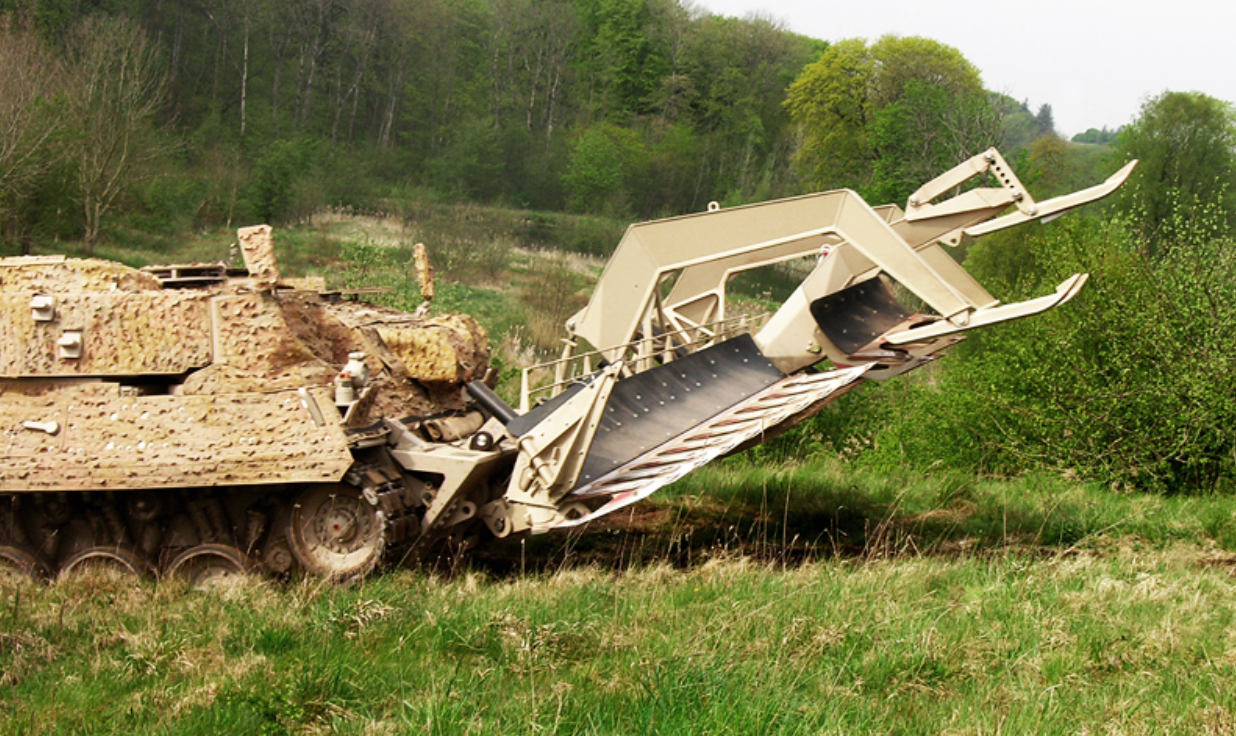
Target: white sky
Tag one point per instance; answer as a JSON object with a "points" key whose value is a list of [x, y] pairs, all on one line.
{"points": [[1095, 62]]}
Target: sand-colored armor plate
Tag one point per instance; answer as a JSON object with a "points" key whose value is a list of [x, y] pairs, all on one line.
{"points": [[106, 441], [122, 333]]}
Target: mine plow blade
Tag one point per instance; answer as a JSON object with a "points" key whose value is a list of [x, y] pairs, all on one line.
{"points": [[993, 315], [748, 420], [691, 383], [1051, 209], [230, 434]]}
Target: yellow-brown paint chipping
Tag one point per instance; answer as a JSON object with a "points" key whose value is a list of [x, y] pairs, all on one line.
{"points": [[443, 350], [104, 440], [123, 333], [258, 249]]}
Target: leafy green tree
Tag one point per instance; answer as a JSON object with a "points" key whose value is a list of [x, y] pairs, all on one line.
{"points": [[1186, 145], [901, 60], [675, 156], [831, 102], [734, 73], [271, 192], [469, 166], [1051, 168], [1046, 120], [624, 59], [862, 110], [927, 131], [1098, 137], [605, 164], [1018, 128]]}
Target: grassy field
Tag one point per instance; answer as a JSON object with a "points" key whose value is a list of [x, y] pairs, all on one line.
{"points": [[756, 596], [804, 600]]}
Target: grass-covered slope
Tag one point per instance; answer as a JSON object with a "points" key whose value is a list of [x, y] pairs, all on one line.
{"points": [[1119, 640], [805, 600]]}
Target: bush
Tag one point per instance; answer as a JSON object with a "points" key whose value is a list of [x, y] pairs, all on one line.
{"points": [[607, 166], [1131, 384], [275, 192]]}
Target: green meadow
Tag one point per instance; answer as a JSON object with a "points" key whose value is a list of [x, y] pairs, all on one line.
{"points": [[806, 600]]}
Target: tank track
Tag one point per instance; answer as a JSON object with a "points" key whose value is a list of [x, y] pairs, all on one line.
{"points": [[387, 490], [44, 535], [146, 531]]}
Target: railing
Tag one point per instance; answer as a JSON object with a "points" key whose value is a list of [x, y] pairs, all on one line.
{"points": [[639, 355]]}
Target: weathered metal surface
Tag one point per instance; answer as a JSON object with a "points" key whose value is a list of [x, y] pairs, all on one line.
{"points": [[251, 332], [442, 350], [424, 271], [258, 249], [189, 274], [48, 274], [107, 441], [855, 316], [709, 439], [165, 413], [655, 406], [122, 333]]}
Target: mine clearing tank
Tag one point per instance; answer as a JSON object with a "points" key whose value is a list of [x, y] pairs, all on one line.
{"points": [[191, 420], [188, 421]]}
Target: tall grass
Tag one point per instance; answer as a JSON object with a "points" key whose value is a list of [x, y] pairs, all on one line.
{"points": [[1097, 640], [801, 599], [434, 220], [790, 513]]}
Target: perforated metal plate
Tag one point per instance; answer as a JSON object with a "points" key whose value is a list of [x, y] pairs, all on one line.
{"points": [[854, 316], [651, 408], [524, 423], [724, 433]]}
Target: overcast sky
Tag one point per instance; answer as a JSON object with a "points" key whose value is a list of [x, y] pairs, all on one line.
{"points": [[1094, 62]]}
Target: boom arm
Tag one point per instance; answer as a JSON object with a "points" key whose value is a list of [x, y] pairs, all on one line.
{"points": [[700, 253], [677, 391]]}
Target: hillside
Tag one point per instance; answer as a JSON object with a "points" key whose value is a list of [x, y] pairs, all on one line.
{"points": [[914, 607]]}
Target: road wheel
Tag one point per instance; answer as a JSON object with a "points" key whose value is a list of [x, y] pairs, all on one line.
{"points": [[116, 562], [208, 566], [335, 533], [20, 565]]}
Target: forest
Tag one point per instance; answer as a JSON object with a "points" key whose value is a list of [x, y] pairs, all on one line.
{"points": [[249, 110], [122, 119]]}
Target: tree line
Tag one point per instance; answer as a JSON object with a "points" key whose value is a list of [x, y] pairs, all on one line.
{"points": [[635, 107], [215, 111]]}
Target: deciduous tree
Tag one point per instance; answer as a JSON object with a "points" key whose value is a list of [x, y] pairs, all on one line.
{"points": [[832, 104], [927, 131], [117, 89], [1186, 145], [30, 79], [902, 108]]}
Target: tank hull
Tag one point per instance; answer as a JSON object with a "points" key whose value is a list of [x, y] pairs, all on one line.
{"points": [[88, 438], [204, 420]]}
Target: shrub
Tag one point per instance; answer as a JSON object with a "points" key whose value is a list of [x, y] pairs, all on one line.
{"points": [[1132, 383]]}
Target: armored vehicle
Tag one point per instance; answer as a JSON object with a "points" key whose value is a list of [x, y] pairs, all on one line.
{"points": [[187, 419], [194, 421]]}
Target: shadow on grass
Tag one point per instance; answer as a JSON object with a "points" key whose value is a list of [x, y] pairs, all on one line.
{"points": [[828, 509]]}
